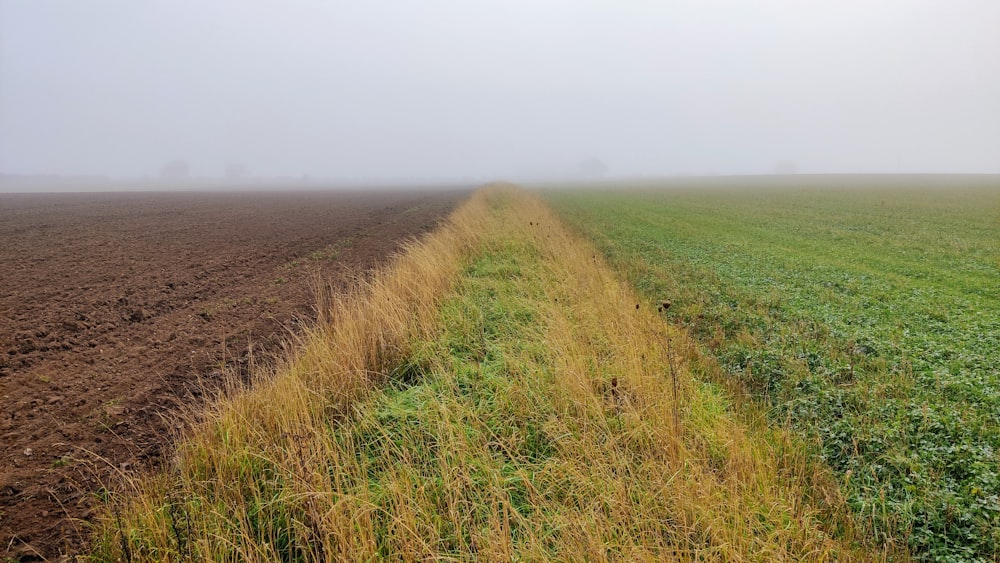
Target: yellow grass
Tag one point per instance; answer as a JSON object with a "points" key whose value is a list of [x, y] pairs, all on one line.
{"points": [[495, 393]]}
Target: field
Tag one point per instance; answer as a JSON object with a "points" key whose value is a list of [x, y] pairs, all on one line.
{"points": [[494, 393], [868, 320], [116, 309], [720, 371]]}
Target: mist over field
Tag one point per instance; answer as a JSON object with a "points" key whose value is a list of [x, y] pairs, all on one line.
{"points": [[467, 92], [500, 280]]}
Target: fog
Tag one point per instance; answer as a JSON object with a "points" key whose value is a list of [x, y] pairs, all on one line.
{"points": [[437, 89]]}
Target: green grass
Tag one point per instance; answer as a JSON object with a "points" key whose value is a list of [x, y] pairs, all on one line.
{"points": [[869, 321], [449, 442]]}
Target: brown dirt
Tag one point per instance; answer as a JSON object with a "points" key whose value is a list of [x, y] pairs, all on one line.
{"points": [[118, 308]]}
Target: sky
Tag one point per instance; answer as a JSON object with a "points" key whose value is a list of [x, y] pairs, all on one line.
{"points": [[509, 89]]}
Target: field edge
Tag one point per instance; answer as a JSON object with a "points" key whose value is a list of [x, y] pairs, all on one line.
{"points": [[245, 483]]}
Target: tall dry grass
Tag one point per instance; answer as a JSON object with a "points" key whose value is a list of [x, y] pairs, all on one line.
{"points": [[542, 415], [716, 485], [254, 450]]}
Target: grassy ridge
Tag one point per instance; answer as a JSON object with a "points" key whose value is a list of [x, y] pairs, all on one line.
{"points": [[251, 478], [525, 406], [869, 321]]}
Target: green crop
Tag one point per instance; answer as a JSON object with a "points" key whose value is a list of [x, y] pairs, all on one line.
{"points": [[867, 320]]}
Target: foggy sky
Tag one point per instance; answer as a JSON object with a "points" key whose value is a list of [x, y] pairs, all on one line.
{"points": [[499, 89]]}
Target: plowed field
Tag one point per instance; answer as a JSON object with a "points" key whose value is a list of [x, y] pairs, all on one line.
{"points": [[116, 309]]}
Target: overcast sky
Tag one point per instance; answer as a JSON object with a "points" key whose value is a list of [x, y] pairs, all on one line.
{"points": [[499, 89]]}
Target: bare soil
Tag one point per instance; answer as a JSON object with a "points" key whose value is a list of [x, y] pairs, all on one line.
{"points": [[117, 309]]}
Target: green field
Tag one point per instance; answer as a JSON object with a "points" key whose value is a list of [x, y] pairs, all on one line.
{"points": [[866, 319]]}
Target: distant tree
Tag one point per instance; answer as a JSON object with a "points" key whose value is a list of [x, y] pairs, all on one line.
{"points": [[175, 170], [592, 167], [785, 167], [235, 171]]}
